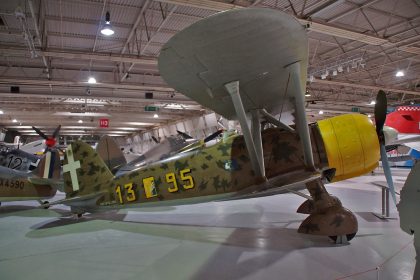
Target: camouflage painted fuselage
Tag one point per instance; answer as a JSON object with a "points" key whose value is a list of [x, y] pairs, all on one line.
{"points": [[219, 170], [21, 189]]}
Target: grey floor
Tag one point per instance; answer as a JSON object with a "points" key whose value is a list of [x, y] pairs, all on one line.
{"points": [[246, 239]]}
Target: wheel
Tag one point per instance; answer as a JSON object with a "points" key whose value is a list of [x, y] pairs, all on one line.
{"points": [[44, 205], [348, 236]]}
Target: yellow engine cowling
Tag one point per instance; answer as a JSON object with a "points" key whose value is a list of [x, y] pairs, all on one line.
{"points": [[351, 144]]}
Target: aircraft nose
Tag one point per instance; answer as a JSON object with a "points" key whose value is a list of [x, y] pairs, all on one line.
{"points": [[351, 144], [391, 135]]}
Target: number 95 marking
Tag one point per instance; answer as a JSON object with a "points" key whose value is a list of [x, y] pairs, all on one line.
{"points": [[184, 176]]}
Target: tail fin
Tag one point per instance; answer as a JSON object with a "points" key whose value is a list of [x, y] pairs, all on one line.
{"points": [[49, 166], [84, 171], [111, 153]]}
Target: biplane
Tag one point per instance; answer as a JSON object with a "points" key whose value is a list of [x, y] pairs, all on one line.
{"points": [[249, 65]]}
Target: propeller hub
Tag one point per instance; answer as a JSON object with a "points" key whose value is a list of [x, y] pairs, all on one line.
{"points": [[50, 142]]}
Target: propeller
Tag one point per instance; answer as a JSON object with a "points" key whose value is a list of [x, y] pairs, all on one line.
{"points": [[155, 140], [380, 117], [50, 141], [213, 135], [184, 135]]}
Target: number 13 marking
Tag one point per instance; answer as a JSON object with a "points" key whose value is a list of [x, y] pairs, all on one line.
{"points": [[130, 195]]}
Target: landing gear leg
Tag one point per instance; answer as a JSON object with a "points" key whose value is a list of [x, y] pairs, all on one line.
{"points": [[44, 204], [328, 217]]}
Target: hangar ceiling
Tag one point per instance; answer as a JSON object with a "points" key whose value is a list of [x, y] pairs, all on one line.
{"points": [[50, 48]]}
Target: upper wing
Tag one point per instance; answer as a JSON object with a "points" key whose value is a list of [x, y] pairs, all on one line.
{"points": [[253, 46]]}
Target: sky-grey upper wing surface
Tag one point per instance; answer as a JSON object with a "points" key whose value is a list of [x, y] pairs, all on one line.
{"points": [[253, 46]]}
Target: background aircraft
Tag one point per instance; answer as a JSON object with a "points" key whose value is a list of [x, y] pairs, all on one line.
{"points": [[40, 184], [405, 122], [26, 157], [220, 63]]}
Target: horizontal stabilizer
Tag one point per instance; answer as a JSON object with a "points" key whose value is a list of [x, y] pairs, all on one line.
{"points": [[83, 200]]}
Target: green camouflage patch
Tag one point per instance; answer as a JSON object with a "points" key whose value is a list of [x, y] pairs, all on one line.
{"points": [[203, 185], [224, 148]]}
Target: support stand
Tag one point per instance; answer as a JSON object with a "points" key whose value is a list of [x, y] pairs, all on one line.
{"points": [[385, 206]]}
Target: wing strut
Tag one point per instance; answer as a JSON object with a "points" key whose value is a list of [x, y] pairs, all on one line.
{"points": [[270, 118], [301, 122], [254, 148]]}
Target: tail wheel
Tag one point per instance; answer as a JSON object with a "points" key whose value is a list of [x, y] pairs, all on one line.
{"points": [[348, 236]]}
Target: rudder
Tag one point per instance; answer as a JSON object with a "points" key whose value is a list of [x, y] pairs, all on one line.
{"points": [[84, 171]]}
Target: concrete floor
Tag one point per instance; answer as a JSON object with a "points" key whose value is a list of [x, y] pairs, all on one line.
{"points": [[244, 239]]}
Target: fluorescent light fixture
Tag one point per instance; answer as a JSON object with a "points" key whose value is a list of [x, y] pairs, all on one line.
{"points": [[107, 28], [14, 120], [80, 121], [83, 114], [321, 112], [369, 115], [334, 73], [373, 102], [92, 80], [399, 73], [1, 112], [307, 95], [140, 123], [156, 116], [174, 106], [340, 69]]}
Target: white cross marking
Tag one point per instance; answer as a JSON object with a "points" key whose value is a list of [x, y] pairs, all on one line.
{"points": [[71, 167]]}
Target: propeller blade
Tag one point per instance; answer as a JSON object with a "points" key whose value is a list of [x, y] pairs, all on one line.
{"points": [[185, 135], [155, 139], [56, 131], [213, 135], [40, 133], [387, 171], [380, 114]]}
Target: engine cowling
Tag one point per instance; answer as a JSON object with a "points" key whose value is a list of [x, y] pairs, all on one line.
{"points": [[351, 144]]}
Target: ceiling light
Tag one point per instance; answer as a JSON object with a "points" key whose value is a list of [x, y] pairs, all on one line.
{"points": [[80, 121], [92, 80], [14, 120], [334, 73], [321, 112], [373, 102], [1, 112], [369, 115], [156, 116], [308, 94], [340, 68], [399, 73], [323, 77], [107, 28]]}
